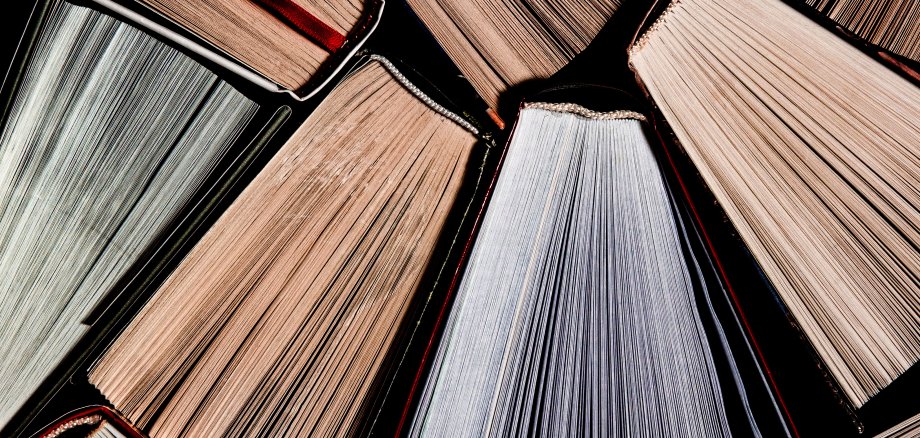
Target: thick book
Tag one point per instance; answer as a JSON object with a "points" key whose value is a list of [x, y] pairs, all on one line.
{"points": [[501, 45], [892, 26], [790, 143], [108, 137], [288, 316], [563, 296]]}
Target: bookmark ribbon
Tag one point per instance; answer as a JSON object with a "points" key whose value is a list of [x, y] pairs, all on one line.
{"points": [[305, 22]]}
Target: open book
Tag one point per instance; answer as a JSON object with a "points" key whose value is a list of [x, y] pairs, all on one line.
{"points": [[812, 149], [109, 137], [500, 44], [280, 318], [581, 309]]}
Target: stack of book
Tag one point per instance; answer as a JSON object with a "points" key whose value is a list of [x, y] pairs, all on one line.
{"points": [[470, 218]]}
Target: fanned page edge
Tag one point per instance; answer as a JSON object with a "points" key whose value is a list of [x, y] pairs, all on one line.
{"points": [[477, 215], [474, 204], [463, 235], [905, 67], [897, 62], [656, 17], [319, 81], [264, 126], [667, 140], [640, 111]]}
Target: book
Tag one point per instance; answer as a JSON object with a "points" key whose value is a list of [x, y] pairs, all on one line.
{"points": [[808, 145], [292, 43], [579, 311], [907, 428], [892, 26], [90, 422], [279, 319], [106, 430], [502, 44], [333, 296], [108, 137]]}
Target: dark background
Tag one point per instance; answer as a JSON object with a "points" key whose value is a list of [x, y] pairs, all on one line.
{"points": [[13, 21]]}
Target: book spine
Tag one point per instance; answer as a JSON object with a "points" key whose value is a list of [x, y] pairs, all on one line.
{"points": [[421, 95], [90, 416]]}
